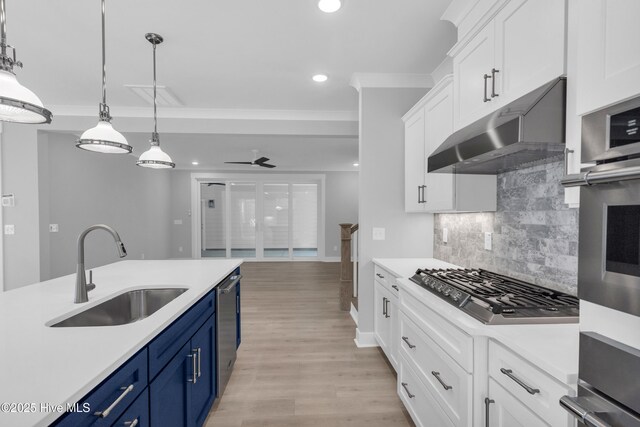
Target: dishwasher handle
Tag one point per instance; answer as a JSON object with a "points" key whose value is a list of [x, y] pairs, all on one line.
{"points": [[234, 280]]}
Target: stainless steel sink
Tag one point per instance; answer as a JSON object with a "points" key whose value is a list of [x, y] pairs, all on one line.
{"points": [[123, 309]]}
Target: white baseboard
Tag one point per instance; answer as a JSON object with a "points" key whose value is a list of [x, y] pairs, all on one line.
{"points": [[354, 314], [365, 339], [331, 259]]}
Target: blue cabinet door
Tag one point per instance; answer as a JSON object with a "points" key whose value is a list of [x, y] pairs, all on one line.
{"points": [[238, 332], [170, 391], [138, 411], [203, 344]]}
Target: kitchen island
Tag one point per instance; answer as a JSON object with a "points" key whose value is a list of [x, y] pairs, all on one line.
{"points": [[42, 367]]}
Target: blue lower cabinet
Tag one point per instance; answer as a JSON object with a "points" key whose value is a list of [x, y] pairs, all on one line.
{"points": [[136, 415], [104, 404], [203, 344], [170, 392]]}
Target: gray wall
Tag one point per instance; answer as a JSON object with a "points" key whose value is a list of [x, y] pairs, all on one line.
{"points": [[535, 235], [81, 188], [381, 197], [20, 177]]}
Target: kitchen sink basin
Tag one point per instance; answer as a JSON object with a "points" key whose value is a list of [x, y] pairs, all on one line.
{"points": [[124, 308]]}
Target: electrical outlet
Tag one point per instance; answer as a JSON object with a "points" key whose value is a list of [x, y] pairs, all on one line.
{"points": [[445, 235], [8, 201], [9, 229], [487, 240], [378, 233], [53, 228]]}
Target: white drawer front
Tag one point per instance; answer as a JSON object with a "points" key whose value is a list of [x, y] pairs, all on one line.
{"points": [[424, 410], [532, 386], [382, 275], [448, 382], [452, 340], [507, 411]]}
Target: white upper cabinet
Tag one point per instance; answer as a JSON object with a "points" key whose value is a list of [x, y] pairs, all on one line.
{"points": [[608, 53], [520, 49], [414, 161]]}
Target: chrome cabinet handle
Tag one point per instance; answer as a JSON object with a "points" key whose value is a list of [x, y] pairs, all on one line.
{"points": [[106, 412], [411, 396], [424, 195], [493, 82], [133, 423], [487, 402], [485, 99], [237, 304], [589, 418], [380, 275], [406, 339], [419, 196], [509, 373], [199, 361], [444, 385], [384, 306], [387, 304], [395, 287], [567, 151], [193, 356]]}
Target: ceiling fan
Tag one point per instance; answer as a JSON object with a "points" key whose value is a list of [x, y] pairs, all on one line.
{"points": [[262, 161]]}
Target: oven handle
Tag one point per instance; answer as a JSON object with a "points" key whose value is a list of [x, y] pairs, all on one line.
{"points": [[571, 405], [601, 177]]}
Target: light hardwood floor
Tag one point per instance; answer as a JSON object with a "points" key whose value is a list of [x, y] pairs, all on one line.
{"points": [[298, 364]]}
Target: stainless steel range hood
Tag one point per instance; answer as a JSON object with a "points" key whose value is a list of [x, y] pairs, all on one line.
{"points": [[530, 130]]}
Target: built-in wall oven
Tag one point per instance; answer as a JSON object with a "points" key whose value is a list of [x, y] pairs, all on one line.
{"points": [[609, 264]]}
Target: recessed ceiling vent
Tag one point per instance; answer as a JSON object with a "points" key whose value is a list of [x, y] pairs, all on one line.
{"points": [[165, 97]]}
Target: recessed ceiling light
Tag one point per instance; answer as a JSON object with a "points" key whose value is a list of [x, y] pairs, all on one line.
{"points": [[329, 6], [195, 163], [320, 78], [356, 164]]}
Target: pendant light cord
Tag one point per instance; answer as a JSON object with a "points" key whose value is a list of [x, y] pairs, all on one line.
{"points": [[155, 107], [3, 28], [104, 108]]}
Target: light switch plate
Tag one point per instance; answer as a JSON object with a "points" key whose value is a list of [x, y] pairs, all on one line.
{"points": [[488, 240], [53, 228], [378, 233], [8, 201], [9, 229], [445, 235]]}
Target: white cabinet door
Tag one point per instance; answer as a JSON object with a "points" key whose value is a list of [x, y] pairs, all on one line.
{"points": [[394, 331], [381, 321], [529, 46], [414, 162], [439, 187], [469, 67], [608, 53], [507, 411]]}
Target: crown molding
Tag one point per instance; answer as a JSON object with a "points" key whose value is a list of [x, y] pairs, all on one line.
{"points": [[209, 113], [382, 80]]}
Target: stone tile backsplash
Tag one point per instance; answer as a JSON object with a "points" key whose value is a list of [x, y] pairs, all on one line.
{"points": [[535, 235]]}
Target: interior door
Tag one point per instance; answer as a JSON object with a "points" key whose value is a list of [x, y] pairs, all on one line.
{"points": [[275, 213], [213, 226]]}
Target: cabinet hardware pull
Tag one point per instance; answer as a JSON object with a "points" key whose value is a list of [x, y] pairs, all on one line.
{"points": [[424, 196], [237, 304], [193, 356], [395, 287], [234, 279], [589, 418], [380, 275], [509, 373], [199, 361], [387, 305], [487, 402], [411, 396], [567, 151], [133, 423], [406, 339], [106, 412], [485, 99], [493, 82], [384, 306], [437, 375], [419, 196]]}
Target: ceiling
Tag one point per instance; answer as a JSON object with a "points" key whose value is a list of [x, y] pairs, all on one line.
{"points": [[235, 55]]}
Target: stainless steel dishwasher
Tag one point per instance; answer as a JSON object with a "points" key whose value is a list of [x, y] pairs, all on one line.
{"points": [[227, 322]]}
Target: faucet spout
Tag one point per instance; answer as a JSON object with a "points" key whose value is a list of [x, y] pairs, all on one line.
{"points": [[81, 278]]}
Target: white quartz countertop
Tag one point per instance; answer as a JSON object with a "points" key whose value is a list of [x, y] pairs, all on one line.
{"points": [[44, 365], [553, 348]]}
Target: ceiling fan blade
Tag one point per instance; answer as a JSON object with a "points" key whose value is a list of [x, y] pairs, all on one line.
{"points": [[261, 160], [240, 163], [266, 165]]}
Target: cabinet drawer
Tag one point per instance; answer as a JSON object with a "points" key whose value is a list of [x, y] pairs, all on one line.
{"points": [[446, 380], [113, 396], [138, 411], [507, 411], [457, 344], [532, 386], [387, 279], [166, 345], [424, 410]]}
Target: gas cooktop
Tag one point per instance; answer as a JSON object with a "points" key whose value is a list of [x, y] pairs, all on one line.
{"points": [[496, 299]]}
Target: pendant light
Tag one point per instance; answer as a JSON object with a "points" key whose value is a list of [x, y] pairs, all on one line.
{"points": [[154, 157], [103, 138], [17, 103]]}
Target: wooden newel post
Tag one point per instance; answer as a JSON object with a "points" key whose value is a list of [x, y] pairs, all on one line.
{"points": [[346, 267]]}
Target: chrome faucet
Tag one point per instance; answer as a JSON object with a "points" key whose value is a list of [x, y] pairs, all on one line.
{"points": [[82, 288]]}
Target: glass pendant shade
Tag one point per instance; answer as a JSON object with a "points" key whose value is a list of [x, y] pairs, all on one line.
{"points": [[18, 104], [155, 158], [103, 138]]}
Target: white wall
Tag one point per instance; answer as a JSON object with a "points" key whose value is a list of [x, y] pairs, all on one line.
{"points": [[381, 200]]}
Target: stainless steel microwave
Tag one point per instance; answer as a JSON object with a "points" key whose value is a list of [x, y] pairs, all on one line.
{"points": [[612, 134]]}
